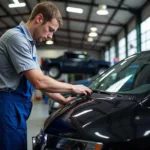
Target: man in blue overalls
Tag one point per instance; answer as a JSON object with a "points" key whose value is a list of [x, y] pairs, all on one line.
{"points": [[20, 74]]}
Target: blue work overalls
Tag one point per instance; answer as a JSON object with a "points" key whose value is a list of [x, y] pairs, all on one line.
{"points": [[15, 108]]}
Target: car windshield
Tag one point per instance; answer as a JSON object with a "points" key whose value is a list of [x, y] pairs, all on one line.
{"points": [[132, 76], [77, 56]]}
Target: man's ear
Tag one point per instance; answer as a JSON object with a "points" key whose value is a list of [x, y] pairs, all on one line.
{"points": [[39, 19]]}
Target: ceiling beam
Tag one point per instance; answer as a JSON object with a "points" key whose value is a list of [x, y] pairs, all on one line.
{"points": [[8, 14], [93, 22], [74, 38], [19, 13], [80, 32], [87, 20], [67, 19], [111, 18], [4, 23], [96, 5], [145, 4], [15, 15], [28, 6]]}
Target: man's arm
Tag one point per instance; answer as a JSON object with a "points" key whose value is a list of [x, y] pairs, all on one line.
{"points": [[47, 84]]}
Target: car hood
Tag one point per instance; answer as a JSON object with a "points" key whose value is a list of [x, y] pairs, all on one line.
{"points": [[100, 117]]}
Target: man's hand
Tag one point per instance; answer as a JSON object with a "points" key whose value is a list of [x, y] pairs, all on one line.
{"points": [[81, 89], [68, 99]]}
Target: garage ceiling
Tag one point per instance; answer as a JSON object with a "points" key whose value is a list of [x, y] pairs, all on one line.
{"points": [[76, 28]]}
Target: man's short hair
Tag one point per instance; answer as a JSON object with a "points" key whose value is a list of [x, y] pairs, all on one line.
{"points": [[49, 12]]}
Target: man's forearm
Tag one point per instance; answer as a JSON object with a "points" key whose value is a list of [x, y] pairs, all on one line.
{"points": [[53, 86], [56, 96], [45, 83]]}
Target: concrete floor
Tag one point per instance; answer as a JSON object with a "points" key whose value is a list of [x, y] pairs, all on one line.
{"points": [[35, 122]]}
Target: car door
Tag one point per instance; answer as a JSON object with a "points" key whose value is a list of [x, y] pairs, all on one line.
{"points": [[71, 63], [87, 65]]}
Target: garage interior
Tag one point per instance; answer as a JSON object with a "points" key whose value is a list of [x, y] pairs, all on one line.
{"points": [[124, 31]]}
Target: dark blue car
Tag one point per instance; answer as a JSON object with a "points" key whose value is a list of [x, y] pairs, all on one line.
{"points": [[73, 62]]}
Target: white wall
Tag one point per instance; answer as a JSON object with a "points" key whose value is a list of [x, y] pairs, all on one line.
{"points": [[121, 34], [132, 25], [95, 54], [49, 53], [112, 43]]}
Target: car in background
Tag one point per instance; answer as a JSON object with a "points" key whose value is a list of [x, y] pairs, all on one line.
{"points": [[116, 116], [73, 62]]}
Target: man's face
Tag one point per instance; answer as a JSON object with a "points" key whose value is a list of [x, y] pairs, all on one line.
{"points": [[45, 31]]}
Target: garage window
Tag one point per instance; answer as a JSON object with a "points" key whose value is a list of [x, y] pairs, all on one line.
{"points": [[122, 49], [112, 55], [145, 35], [107, 55], [132, 45]]}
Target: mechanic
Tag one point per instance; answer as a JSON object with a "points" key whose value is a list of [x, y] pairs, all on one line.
{"points": [[20, 74]]}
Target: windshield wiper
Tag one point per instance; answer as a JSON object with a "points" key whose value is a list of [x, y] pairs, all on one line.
{"points": [[101, 92], [107, 93]]}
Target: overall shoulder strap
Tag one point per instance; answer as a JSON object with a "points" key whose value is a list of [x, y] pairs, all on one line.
{"points": [[21, 30]]}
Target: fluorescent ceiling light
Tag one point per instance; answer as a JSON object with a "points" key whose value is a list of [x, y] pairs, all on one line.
{"points": [[17, 5], [92, 34], [90, 39], [102, 10], [49, 42], [93, 29], [74, 10]]}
